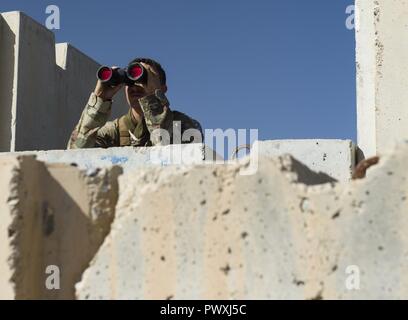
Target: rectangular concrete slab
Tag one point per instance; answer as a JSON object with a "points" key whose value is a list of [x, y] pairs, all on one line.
{"points": [[210, 233], [51, 215], [33, 106], [7, 66], [8, 196], [127, 157], [335, 158], [382, 74]]}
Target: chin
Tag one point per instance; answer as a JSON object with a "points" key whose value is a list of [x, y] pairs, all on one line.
{"points": [[137, 108]]}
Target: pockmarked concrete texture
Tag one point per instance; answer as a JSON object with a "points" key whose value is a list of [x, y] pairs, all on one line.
{"points": [[126, 157], [335, 158], [207, 232], [382, 74], [43, 86], [51, 215]]}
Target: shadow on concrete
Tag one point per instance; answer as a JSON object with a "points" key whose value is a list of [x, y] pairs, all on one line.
{"points": [[360, 156], [58, 230], [309, 177]]}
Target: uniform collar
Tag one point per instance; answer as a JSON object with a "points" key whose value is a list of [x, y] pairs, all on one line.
{"points": [[138, 128]]}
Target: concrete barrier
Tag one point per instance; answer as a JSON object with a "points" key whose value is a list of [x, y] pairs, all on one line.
{"points": [[210, 233], [7, 66], [51, 215], [126, 157], [43, 87], [335, 158], [382, 74], [203, 231]]}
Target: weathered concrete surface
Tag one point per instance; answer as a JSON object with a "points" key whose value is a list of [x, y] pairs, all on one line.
{"points": [[33, 105], [127, 157], [8, 174], [43, 87], [209, 233], [50, 215], [335, 158], [382, 74]]}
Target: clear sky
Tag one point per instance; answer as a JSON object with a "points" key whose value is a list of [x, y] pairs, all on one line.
{"points": [[286, 68]]}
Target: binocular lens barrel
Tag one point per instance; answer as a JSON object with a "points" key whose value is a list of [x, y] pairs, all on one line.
{"points": [[135, 71], [113, 77], [105, 74]]}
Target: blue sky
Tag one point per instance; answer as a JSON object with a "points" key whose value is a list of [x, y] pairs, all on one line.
{"points": [[286, 68]]}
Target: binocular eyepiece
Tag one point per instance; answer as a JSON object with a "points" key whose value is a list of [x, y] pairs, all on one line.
{"points": [[134, 73]]}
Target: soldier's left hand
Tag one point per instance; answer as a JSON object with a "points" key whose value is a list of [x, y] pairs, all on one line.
{"points": [[153, 81]]}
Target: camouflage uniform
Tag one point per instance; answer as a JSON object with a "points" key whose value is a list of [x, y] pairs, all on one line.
{"points": [[93, 129]]}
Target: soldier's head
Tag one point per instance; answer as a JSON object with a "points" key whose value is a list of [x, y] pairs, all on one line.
{"points": [[156, 79]]}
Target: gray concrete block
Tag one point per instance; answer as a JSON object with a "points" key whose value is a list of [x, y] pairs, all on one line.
{"points": [[51, 215], [43, 87], [210, 233], [33, 104], [382, 74], [335, 158], [7, 66], [127, 157]]}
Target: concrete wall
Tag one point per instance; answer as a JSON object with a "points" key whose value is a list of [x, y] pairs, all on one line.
{"points": [[43, 87], [210, 233], [50, 215], [332, 158], [126, 157], [382, 74], [7, 65], [336, 158], [8, 196], [203, 231]]}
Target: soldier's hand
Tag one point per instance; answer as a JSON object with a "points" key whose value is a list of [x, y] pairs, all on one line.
{"points": [[106, 92], [153, 80]]}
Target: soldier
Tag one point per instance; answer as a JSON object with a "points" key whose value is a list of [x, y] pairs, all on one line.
{"points": [[148, 122]]}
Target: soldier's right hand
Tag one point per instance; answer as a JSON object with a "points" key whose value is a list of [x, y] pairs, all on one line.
{"points": [[106, 92]]}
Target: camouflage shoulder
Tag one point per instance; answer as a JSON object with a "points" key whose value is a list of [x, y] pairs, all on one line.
{"points": [[186, 121]]}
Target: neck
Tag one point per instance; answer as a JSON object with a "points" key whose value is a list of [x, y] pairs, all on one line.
{"points": [[137, 114]]}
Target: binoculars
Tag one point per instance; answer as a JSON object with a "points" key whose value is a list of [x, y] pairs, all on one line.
{"points": [[134, 73]]}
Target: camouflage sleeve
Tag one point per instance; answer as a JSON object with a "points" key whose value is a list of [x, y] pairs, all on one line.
{"points": [[159, 116], [192, 131], [93, 130]]}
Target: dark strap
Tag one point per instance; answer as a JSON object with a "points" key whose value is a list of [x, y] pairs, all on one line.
{"points": [[124, 136]]}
